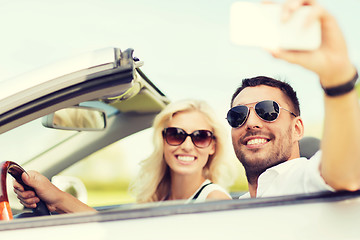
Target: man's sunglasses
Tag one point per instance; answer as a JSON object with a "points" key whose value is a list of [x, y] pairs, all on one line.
{"points": [[267, 110], [176, 136]]}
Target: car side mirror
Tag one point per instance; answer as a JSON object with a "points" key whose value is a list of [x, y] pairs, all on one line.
{"points": [[76, 118]]}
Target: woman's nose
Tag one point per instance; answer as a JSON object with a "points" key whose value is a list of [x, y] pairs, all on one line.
{"points": [[187, 144]]}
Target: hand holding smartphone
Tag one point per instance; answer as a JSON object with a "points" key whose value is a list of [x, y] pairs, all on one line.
{"points": [[260, 25]]}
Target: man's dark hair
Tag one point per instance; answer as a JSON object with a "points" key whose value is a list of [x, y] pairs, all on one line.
{"points": [[262, 80]]}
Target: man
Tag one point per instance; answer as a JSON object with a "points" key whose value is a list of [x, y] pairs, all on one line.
{"points": [[267, 127]]}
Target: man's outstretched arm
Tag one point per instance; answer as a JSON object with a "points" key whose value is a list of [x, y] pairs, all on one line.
{"points": [[340, 163]]}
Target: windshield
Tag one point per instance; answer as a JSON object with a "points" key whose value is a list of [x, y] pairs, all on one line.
{"points": [[28, 141], [32, 139]]}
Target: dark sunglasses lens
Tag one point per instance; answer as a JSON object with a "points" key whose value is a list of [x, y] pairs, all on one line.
{"points": [[237, 116], [201, 138], [267, 110], [174, 136]]}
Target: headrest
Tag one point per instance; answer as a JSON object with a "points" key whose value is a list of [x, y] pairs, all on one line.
{"points": [[309, 146]]}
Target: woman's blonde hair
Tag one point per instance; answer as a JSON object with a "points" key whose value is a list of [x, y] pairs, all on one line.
{"points": [[153, 182]]}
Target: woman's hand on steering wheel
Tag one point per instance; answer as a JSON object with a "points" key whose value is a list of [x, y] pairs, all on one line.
{"points": [[42, 189], [17, 172]]}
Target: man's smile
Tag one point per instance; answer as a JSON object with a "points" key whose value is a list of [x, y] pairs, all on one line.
{"points": [[257, 141]]}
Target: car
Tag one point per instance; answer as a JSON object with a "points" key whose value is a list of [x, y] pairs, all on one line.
{"points": [[110, 85]]}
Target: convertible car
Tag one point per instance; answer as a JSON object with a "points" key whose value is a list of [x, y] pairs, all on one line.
{"points": [[52, 118]]}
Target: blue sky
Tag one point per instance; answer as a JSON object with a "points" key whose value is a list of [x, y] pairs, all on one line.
{"points": [[184, 44]]}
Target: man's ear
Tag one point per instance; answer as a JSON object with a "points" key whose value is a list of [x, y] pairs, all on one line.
{"points": [[298, 128]]}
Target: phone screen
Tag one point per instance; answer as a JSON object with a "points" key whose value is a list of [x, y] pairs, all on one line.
{"points": [[260, 25]]}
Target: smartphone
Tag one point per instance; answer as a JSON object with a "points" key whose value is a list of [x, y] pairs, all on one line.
{"points": [[260, 25]]}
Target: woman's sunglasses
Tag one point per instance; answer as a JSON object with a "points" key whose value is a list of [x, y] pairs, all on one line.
{"points": [[176, 136], [267, 110]]}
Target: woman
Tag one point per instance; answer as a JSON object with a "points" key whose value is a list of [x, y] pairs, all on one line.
{"points": [[177, 169], [188, 161]]}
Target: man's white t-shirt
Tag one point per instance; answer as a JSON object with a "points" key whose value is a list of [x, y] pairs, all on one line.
{"points": [[294, 176]]}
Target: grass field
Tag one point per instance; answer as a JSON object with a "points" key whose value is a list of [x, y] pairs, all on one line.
{"points": [[104, 198]]}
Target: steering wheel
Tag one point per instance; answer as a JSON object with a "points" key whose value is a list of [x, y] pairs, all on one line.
{"points": [[16, 171]]}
